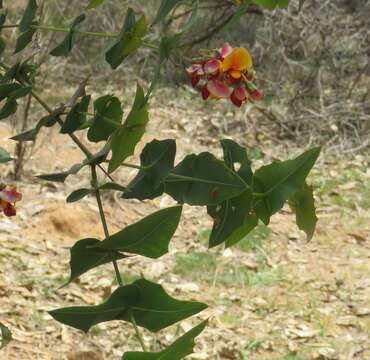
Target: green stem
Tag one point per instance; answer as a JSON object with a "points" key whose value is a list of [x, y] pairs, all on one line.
{"points": [[115, 264], [108, 35]]}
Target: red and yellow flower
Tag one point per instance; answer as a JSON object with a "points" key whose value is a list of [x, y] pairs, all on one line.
{"points": [[8, 198], [226, 73]]}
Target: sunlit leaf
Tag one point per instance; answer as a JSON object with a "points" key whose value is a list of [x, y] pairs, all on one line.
{"points": [[272, 4], [149, 237], [178, 350], [151, 307]]}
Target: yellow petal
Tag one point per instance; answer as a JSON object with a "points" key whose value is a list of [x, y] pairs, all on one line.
{"points": [[239, 59]]}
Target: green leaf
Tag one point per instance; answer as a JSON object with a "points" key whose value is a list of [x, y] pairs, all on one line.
{"points": [[4, 156], [6, 336], [236, 154], [30, 135], [129, 41], [279, 181], [241, 10], [167, 46], [151, 307], [178, 350], [112, 186], [203, 180], [28, 16], [8, 109], [149, 237], [108, 117], [165, 8], [10, 73], [76, 117], [94, 4], [302, 204], [61, 177], [85, 257], [157, 159], [232, 219], [24, 39], [124, 140], [272, 4], [65, 47], [78, 195], [6, 90]]}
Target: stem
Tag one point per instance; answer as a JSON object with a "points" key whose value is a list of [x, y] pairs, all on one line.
{"points": [[115, 264], [83, 33]]}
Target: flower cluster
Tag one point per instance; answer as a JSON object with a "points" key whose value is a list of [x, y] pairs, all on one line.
{"points": [[8, 198], [226, 73]]}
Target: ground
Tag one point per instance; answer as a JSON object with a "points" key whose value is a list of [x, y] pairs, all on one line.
{"points": [[273, 296]]}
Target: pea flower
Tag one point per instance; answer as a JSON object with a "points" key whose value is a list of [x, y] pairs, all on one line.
{"points": [[226, 73], [8, 198]]}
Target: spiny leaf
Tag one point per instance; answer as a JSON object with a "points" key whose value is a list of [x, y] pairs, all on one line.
{"points": [[149, 237], [150, 306]]}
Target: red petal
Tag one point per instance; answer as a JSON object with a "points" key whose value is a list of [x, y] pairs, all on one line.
{"points": [[256, 95], [218, 89], [194, 80], [194, 68], [9, 210], [10, 195], [240, 93], [205, 92], [225, 50], [235, 100], [212, 66]]}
